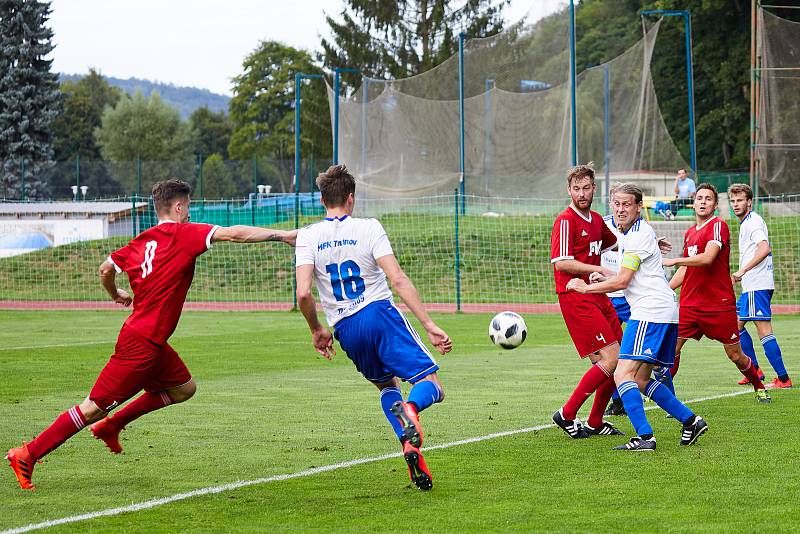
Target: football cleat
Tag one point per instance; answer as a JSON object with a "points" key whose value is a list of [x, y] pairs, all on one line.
{"points": [[417, 468], [22, 464], [780, 384], [693, 430], [406, 413], [615, 407], [106, 431], [606, 429], [573, 428], [637, 444], [762, 396], [744, 381]]}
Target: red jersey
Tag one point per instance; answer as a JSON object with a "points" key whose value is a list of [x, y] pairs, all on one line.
{"points": [[710, 286], [576, 237], [160, 266]]}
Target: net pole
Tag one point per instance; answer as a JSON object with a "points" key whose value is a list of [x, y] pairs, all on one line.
{"points": [[572, 83], [458, 252], [753, 30], [337, 87], [487, 128], [606, 126], [461, 38], [687, 22], [364, 99]]}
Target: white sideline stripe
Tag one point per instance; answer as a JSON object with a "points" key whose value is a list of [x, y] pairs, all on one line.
{"points": [[299, 474]]}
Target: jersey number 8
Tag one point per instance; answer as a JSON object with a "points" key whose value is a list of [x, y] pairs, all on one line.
{"points": [[346, 276]]}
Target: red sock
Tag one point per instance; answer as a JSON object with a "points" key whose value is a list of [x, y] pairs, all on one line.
{"points": [[64, 427], [145, 403], [674, 369], [751, 372], [601, 398], [590, 382]]}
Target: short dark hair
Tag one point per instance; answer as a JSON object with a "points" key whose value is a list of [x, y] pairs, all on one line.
{"points": [[335, 185], [581, 171], [738, 189], [630, 189], [166, 191], [711, 188]]}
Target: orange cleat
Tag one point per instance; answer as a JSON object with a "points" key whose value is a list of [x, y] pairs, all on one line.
{"points": [[406, 413], [417, 468], [779, 384], [744, 381], [22, 464], [106, 431]]}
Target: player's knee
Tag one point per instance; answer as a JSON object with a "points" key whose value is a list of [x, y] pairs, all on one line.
{"points": [[182, 393], [642, 382], [91, 412]]}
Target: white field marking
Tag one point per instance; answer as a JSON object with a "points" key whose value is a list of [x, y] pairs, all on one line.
{"points": [[299, 474]]}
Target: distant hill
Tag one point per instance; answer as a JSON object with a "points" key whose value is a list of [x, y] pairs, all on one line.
{"points": [[184, 99]]}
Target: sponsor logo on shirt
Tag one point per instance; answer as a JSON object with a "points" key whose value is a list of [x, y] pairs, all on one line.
{"points": [[594, 248], [692, 250]]}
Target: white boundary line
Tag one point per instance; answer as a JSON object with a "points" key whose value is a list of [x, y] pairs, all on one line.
{"points": [[299, 474]]}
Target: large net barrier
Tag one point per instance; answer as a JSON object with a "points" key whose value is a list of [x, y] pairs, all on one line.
{"points": [[776, 82], [403, 137], [494, 256]]}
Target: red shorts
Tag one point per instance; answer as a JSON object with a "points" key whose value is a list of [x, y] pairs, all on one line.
{"points": [[591, 321], [137, 364], [717, 324]]}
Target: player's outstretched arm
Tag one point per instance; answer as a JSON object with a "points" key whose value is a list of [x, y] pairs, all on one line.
{"points": [[620, 280], [577, 267], [241, 233], [677, 279], [108, 277], [762, 251], [320, 336], [405, 288], [700, 260]]}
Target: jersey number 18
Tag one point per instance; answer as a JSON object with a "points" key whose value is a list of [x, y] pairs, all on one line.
{"points": [[346, 276]]}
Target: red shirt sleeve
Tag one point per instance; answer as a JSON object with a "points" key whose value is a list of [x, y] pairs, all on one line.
{"points": [[195, 238], [121, 258], [722, 233], [609, 238], [561, 240]]}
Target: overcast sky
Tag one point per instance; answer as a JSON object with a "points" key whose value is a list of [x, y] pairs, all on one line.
{"points": [[197, 43]]}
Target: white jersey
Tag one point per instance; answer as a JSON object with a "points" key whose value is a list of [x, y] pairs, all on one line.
{"points": [[610, 259], [752, 231], [648, 293], [344, 252]]}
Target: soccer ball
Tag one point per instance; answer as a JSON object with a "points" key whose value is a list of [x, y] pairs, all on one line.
{"points": [[507, 330]]}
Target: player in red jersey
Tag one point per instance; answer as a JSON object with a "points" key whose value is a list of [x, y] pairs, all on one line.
{"points": [[707, 301], [579, 238], [160, 266]]}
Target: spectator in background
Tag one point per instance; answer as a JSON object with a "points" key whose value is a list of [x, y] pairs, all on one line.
{"points": [[684, 194]]}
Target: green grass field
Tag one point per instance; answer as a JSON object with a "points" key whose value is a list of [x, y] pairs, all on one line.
{"points": [[267, 405]]}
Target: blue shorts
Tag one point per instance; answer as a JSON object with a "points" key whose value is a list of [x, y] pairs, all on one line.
{"points": [[383, 344], [755, 305], [649, 342], [622, 308]]}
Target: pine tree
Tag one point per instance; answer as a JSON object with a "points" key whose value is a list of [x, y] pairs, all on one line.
{"points": [[29, 97]]}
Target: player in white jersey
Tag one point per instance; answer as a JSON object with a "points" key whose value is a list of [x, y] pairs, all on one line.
{"points": [[758, 284], [351, 258], [652, 332]]}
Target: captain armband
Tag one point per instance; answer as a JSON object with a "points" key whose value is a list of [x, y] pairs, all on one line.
{"points": [[631, 261]]}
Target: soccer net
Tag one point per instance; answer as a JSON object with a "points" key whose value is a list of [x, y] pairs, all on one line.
{"points": [[402, 137], [493, 257], [776, 155]]}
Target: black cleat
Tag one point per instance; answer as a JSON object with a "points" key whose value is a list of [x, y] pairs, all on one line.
{"points": [[606, 429], [615, 407], [692, 430], [573, 428], [637, 444]]}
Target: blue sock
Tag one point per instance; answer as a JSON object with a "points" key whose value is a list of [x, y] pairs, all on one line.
{"points": [[668, 402], [773, 352], [615, 395], [388, 397], [747, 345], [423, 394], [663, 375], [634, 407]]}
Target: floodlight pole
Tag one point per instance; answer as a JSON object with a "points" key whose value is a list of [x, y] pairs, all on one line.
{"points": [[298, 81], [487, 126], [572, 82], [336, 89], [461, 38], [687, 25]]}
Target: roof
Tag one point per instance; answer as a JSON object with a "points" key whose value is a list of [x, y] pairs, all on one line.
{"points": [[35, 208]]}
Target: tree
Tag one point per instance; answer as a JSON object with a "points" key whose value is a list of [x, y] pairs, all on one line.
{"points": [[394, 39], [217, 179], [210, 131], [262, 109], [149, 129], [29, 97]]}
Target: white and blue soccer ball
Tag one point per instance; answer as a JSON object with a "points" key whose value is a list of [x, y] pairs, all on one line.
{"points": [[507, 330]]}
